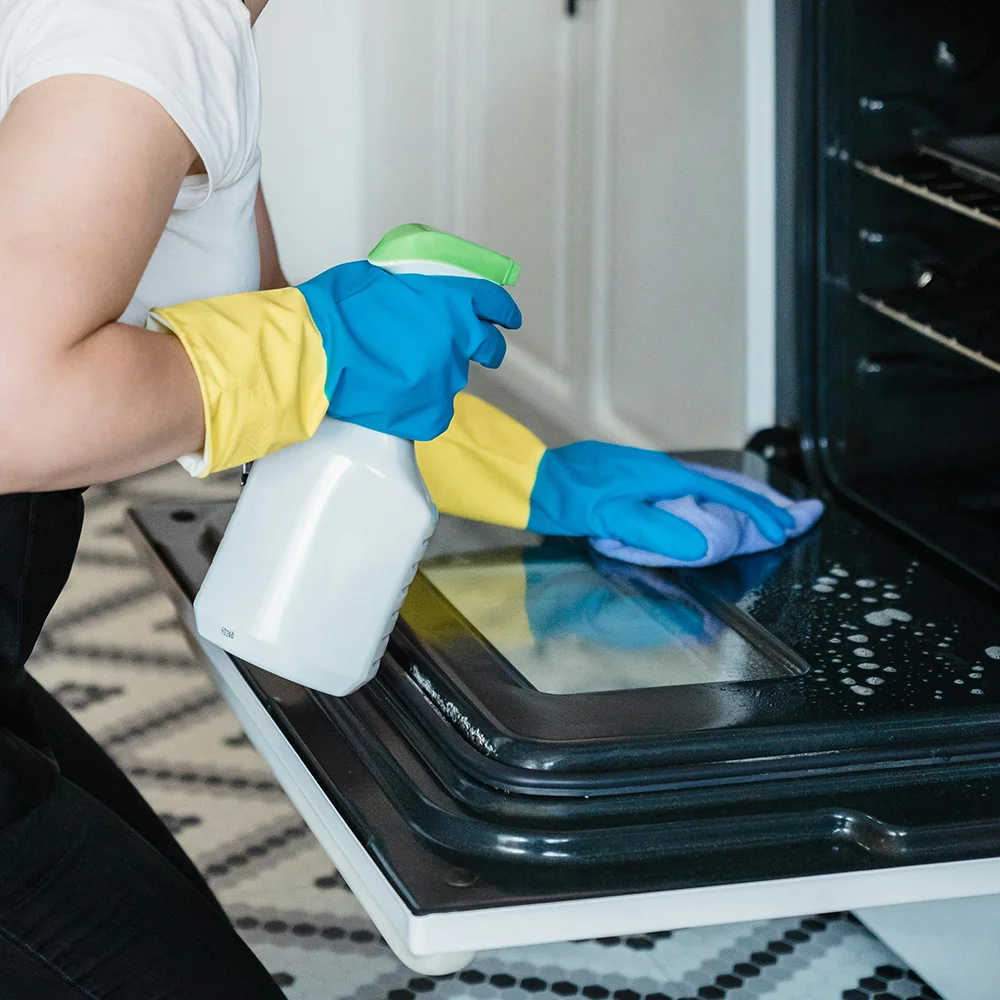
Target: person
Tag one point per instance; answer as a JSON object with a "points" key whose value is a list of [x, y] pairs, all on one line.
{"points": [[129, 193]]}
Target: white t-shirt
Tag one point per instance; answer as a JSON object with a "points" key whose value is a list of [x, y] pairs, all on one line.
{"points": [[197, 59]]}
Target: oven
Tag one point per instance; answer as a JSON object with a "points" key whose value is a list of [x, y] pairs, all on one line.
{"points": [[558, 746]]}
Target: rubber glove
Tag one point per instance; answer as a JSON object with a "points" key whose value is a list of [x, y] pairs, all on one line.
{"points": [[398, 346], [603, 490], [729, 532], [386, 351]]}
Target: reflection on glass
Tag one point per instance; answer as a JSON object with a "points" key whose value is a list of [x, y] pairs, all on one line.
{"points": [[573, 624]]}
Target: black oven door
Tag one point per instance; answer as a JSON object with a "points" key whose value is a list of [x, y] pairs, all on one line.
{"points": [[566, 726]]}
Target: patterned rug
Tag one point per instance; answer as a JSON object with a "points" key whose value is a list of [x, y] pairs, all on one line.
{"points": [[114, 654]]}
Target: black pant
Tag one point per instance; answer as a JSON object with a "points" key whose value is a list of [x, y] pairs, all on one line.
{"points": [[97, 899]]}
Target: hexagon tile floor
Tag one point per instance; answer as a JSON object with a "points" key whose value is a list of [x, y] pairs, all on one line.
{"points": [[113, 653]]}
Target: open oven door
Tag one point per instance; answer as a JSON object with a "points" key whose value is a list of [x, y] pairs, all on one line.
{"points": [[560, 746]]}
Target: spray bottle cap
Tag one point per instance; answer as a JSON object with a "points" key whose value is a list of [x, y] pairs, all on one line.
{"points": [[412, 247]]}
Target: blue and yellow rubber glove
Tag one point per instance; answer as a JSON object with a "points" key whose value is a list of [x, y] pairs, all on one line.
{"points": [[608, 491], [490, 468], [387, 351]]}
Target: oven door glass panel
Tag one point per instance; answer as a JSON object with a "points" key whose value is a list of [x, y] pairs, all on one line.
{"points": [[580, 624]]}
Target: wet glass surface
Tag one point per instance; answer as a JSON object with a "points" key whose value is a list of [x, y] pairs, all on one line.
{"points": [[881, 629], [578, 625]]}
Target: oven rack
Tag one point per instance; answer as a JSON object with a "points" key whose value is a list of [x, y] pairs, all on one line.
{"points": [[932, 179], [966, 325]]}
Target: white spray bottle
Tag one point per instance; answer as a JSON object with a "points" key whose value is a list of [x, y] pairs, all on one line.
{"points": [[327, 534]]}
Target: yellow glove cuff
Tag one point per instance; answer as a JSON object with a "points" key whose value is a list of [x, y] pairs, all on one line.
{"points": [[484, 466], [261, 367]]}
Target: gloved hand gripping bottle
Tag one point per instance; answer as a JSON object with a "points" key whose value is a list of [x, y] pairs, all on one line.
{"points": [[325, 540]]}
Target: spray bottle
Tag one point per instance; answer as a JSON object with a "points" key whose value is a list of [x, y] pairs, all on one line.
{"points": [[325, 540]]}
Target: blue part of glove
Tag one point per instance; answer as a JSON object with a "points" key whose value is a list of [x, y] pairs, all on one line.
{"points": [[729, 532], [603, 490], [398, 346]]}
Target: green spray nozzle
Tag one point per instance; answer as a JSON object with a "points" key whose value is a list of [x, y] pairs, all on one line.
{"points": [[415, 242]]}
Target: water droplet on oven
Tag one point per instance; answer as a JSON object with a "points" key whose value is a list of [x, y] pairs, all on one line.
{"points": [[887, 617]]}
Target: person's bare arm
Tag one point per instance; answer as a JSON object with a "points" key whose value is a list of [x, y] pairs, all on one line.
{"points": [[89, 171], [271, 274]]}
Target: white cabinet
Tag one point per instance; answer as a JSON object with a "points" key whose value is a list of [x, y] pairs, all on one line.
{"points": [[669, 336], [608, 152]]}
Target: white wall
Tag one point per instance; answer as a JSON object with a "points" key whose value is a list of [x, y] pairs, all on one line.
{"points": [[672, 340], [313, 134], [622, 157], [350, 132]]}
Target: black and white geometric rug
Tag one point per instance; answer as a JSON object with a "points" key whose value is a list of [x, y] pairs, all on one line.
{"points": [[113, 653]]}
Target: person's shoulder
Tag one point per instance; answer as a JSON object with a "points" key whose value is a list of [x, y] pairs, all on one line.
{"points": [[199, 23], [195, 57], [191, 31]]}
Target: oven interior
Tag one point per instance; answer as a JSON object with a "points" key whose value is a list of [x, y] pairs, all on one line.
{"points": [[889, 277]]}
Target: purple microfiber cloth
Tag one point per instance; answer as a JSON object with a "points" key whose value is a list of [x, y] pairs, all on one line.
{"points": [[728, 532]]}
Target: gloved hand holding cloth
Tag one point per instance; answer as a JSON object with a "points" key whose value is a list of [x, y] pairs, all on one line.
{"points": [[728, 529], [634, 504]]}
